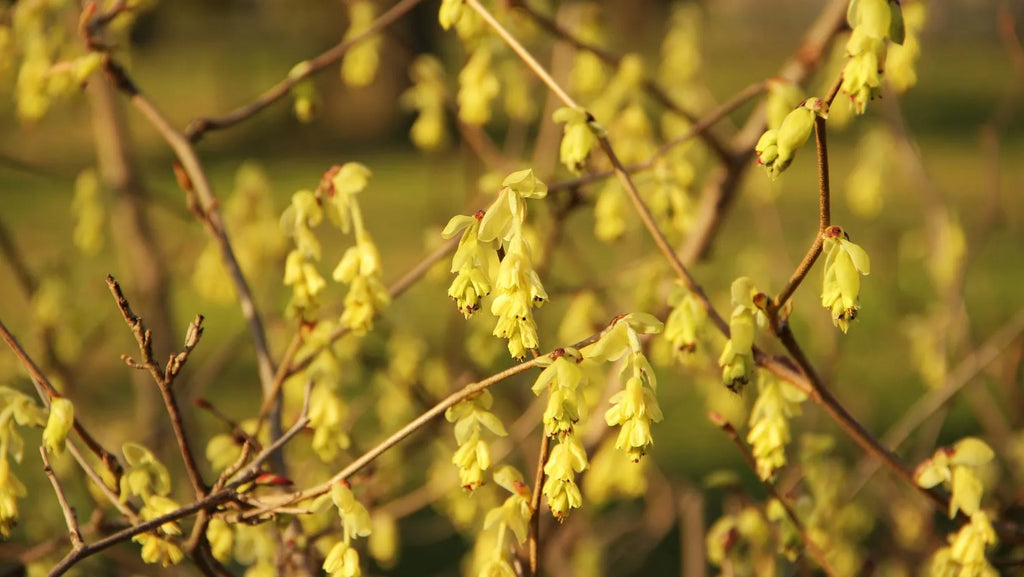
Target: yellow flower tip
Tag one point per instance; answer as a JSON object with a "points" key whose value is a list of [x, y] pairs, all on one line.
{"points": [[58, 425]]}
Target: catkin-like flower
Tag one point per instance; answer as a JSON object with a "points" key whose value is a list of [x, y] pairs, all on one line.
{"points": [[519, 290], [359, 65], [737, 359], [844, 263], [473, 456], [478, 87], [874, 23], [776, 403], [685, 324], [145, 475], [578, 137], [474, 263], [567, 458], [427, 96], [777, 147], [515, 511], [58, 424], [635, 407], [563, 379]]}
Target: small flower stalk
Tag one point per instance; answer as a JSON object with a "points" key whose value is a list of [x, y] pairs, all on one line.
{"points": [[478, 271], [737, 359], [845, 262], [635, 407]]}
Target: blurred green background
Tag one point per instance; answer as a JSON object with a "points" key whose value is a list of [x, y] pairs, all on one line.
{"points": [[201, 58]]}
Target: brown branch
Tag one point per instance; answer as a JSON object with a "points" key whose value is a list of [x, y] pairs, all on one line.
{"points": [[809, 544], [69, 514], [467, 392], [824, 219], [209, 502], [538, 483], [133, 235], [200, 126], [820, 394], [164, 379], [198, 184]]}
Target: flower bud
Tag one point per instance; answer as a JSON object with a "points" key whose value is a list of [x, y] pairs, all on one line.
{"points": [[58, 425]]}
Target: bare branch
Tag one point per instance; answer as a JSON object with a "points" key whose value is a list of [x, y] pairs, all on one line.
{"points": [[70, 519]]}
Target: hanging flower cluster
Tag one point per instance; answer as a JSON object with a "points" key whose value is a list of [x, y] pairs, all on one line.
{"points": [[563, 379], [359, 267], [874, 22], [685, 324], [343, 559], [635, 407], [473, 456], [777, 147], [359, 65], [844, 263], [147, 478], [478, 270], [777, 402], [512, 515], [957, 467], [737, 359], [427, 96]]}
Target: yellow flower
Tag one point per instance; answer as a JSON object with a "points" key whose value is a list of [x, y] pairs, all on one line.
{"points": [[844, 263]]}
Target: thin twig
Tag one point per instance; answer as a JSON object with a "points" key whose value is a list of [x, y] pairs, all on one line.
{"points": [[198, 184], [523, 54], [538, 483], [809, 544], [824, 217], [210, 501], [371, 455], [200, 126], [164, 378], [69, 514]]}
